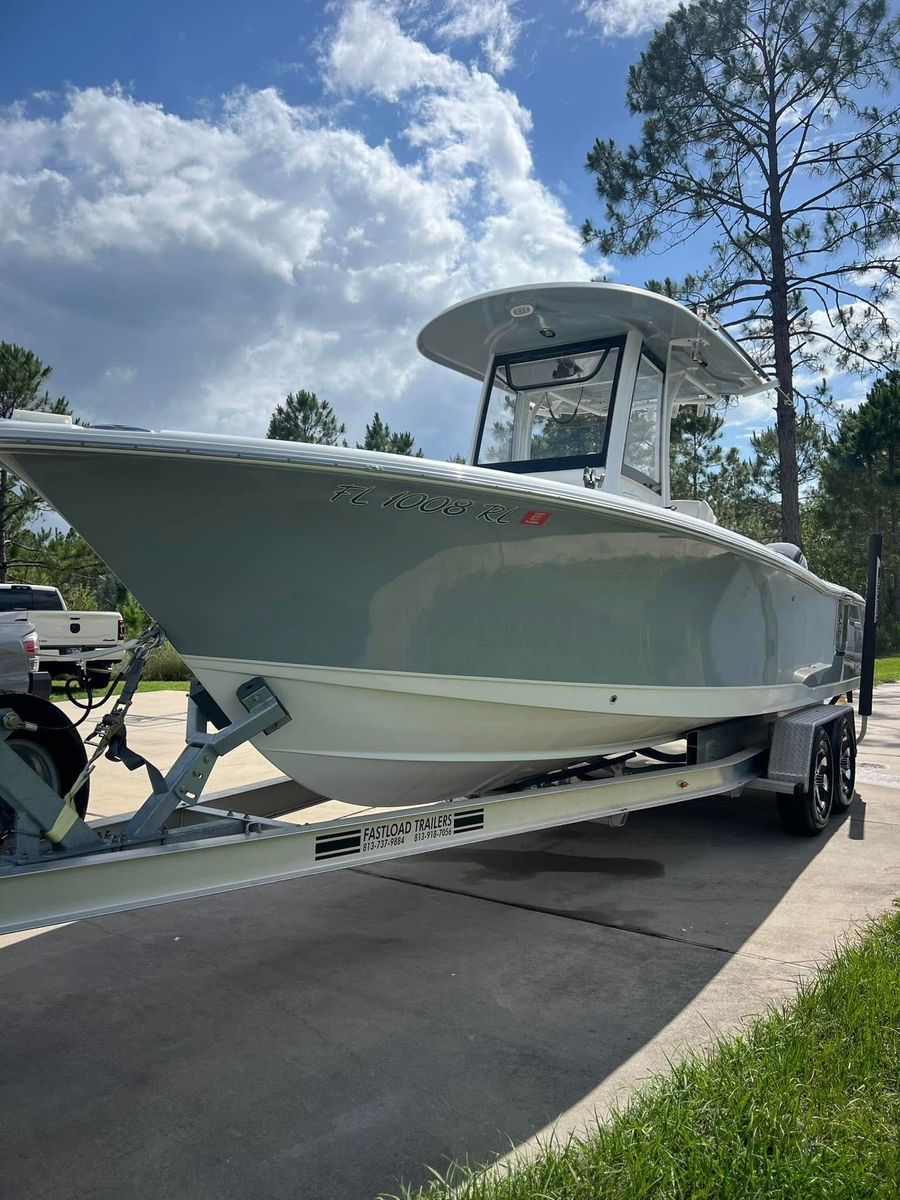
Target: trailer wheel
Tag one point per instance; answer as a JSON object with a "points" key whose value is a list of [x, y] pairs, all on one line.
{"points": [[806, 814], [843, 740], [54, 751]]}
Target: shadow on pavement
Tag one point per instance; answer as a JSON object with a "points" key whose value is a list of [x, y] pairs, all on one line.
{"points": [[324, 1037]]}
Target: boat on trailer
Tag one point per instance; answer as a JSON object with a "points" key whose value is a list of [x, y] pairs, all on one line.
{"points": [[438, 629], [479, 649]]}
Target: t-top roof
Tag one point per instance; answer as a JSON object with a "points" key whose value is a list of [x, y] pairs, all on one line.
{"points": [[467, 336]]}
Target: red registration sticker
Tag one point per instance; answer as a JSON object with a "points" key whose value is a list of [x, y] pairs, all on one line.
{"points": [[533, 517]]}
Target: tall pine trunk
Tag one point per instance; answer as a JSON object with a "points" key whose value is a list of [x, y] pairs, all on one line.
{"points": [[785, 412], [786, 425]]}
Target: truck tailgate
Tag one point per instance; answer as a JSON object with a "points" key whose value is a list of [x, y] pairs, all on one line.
{"points": [[77, 630]]}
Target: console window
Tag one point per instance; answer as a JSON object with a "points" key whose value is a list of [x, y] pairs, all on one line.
{"points": [[642, 439], [546, 409]]}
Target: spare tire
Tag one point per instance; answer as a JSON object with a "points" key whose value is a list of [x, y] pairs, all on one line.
{"points": [[54, 750]]}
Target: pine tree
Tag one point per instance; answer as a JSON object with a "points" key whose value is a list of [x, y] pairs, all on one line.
{"points": [[734, 487], [695, 452], [303, 417], [860, 493], [761, 123], [22, 380], [380, 436]]}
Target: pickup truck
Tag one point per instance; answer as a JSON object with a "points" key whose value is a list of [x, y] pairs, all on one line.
{"points": [[64, 634], [19, 657]]}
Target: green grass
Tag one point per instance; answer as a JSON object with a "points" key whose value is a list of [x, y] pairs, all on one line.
{"points": [[805, 1105], [146, 685], [887, 670]]}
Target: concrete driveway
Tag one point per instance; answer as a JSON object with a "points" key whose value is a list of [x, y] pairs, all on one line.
{"points": [[325, 1037]]}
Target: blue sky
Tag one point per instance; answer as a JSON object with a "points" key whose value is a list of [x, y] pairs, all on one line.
{"points": [[203, 206]]}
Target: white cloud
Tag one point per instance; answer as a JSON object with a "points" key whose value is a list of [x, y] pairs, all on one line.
{"points": [[626, 18], [495, 23], [186, 272]]}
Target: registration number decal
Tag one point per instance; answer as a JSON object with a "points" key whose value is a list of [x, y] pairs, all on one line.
{"points": [[424, 502]]}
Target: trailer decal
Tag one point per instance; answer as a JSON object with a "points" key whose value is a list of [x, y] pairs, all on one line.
{"points": [[338, 845], [463, 822], [397, 834]]}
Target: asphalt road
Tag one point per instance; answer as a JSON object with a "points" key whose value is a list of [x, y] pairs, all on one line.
{"points": [[325, 1037]]}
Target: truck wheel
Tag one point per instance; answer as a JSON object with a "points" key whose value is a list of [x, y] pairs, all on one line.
{"points": [[806, 814], [54, 751], [843, 743]]}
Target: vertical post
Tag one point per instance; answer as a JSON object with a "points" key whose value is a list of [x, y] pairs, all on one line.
{"points": [[873, 589], [481, 418], [621, 410]]}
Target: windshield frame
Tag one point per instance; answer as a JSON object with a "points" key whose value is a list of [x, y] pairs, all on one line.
{"points": [[566, 462], [633, 473]]}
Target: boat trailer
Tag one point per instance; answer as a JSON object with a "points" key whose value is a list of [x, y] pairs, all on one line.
{"points": [[56, 866]]}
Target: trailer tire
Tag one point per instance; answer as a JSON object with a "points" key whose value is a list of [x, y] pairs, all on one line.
{"points": [[54, 750], [806, 814], [843, 741]]}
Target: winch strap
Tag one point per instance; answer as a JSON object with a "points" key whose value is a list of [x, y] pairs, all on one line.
{"points": [[63, 823], [119, 751]]}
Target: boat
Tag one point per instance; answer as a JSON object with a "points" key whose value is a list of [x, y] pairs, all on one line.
{"points": [[437, 630]]}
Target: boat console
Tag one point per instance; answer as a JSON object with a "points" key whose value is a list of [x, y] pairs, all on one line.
{"points": [[580, 381]]}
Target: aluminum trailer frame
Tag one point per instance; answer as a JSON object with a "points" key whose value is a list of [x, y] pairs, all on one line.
{"points": [[62, 868], [208, 850]]}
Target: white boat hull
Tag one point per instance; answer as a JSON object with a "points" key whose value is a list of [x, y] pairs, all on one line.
{"points": [[386, 738]]}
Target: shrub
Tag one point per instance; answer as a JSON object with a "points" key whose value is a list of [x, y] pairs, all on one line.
{"points": [[80, 599], [887, 636], [136, 620], [167, 664]]}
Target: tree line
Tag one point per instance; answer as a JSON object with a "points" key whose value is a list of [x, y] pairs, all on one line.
{"points": [[849, 479], [303, 417]]}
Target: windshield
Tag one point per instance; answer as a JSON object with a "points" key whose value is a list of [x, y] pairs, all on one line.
{"points": [[547, 409]]}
